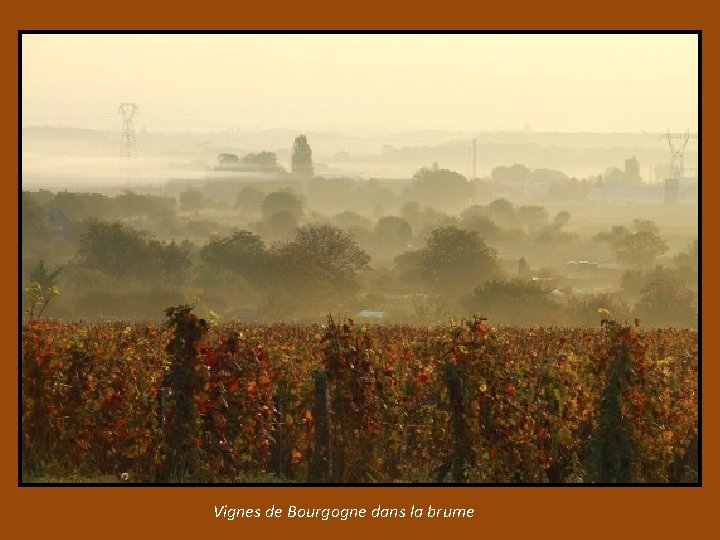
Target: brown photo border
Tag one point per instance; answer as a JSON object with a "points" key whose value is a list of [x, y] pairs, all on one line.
{"points": [[500, 512]]}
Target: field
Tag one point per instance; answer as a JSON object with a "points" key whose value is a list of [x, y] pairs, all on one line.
{"points": [[189, 401]]}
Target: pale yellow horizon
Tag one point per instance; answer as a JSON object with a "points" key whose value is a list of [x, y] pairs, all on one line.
{"points": [[360, 82]]}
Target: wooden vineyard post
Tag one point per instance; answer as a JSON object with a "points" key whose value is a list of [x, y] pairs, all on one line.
{"points": [[182, 436], [320, 465], [162, 407], [462, 453], [279, 456]]}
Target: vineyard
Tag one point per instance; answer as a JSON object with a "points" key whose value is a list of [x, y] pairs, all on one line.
{"points": [[346, 403]]}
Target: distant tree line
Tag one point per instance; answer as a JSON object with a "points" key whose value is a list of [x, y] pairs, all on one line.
{"points": [[266, 249]]}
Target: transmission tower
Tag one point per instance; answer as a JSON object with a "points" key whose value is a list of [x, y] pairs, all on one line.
{"points": [[677, 142], [127, 112]]}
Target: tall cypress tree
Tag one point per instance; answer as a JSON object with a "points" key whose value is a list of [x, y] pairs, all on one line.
{"points": [[611, 448], [302, 165]]}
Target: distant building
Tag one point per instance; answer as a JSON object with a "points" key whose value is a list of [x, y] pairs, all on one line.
{"points": [[228, 161], [632, 170], [631, 174], [614, 176], [262, 162]]}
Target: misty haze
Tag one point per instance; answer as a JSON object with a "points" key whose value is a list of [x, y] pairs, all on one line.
{"points": [[565, 204], [404, 203]]}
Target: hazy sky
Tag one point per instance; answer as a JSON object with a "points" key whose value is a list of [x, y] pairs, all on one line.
{"points": [[356, 83]]}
